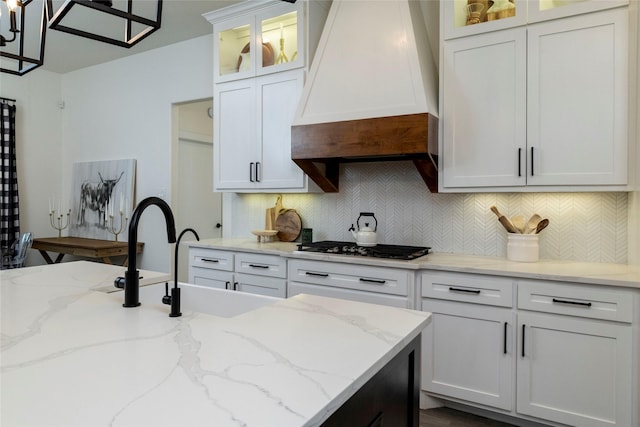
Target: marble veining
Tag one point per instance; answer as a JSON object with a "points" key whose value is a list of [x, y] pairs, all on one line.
{"points": [[74, 356]]}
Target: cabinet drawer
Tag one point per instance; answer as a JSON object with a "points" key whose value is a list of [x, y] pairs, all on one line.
{"points": [[349, 276], [212, 278], [479, 289], [262, 265], [211, 259], [576, 300], [270, 286]]}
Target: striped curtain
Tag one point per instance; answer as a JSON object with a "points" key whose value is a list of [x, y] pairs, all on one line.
{"points": [[9, 215]]}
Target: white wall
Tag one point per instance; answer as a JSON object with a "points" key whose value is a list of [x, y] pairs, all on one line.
{"points": [[38, 147], [122, 109]]}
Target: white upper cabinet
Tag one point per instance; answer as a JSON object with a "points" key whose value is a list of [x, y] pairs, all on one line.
{"points": [[275, 29], [542, 10], [253, 127], [577, 96], [462, 18], [261, 52], [540, 107], [484, 110]]}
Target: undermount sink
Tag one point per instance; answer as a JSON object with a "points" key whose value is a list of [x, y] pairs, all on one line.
{"points": [[203, 299]]}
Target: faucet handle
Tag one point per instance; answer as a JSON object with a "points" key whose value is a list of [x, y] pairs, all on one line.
{"points": [[166, 299], [119, 282]]}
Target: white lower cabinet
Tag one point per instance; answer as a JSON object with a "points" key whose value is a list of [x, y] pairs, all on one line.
{"points": [[551, 352], [468, 348], [574, 371], [468, 352], [238, 271]]}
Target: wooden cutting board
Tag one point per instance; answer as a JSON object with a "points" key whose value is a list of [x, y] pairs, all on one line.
{"points": [[288, 225]]}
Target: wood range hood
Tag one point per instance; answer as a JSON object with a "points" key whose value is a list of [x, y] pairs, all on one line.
{"points": [[371, 93]]}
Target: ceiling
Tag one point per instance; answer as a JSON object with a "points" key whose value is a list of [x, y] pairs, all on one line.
{"points": [[181, 20]]}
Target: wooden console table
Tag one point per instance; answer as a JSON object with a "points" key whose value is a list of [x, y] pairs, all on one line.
{"points": [[80, 246]]}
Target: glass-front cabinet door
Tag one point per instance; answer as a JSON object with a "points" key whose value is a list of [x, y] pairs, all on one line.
{"points": [[277, 32], [233, 53], [468, 17], [281, 38], [541, 10]]}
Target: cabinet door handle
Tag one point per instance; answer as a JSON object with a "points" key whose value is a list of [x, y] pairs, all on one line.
{"points": [[257, 171], [523, 329], [504, 347], [311, 273], [519, 161], [531, 161], [235, 286], [258, 266], [376, 281], [469, 291], [209, 260], [251, 172], [226, 285], [564, 301]]}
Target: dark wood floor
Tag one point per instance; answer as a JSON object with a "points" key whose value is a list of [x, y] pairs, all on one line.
{"points": [[447, 417]]}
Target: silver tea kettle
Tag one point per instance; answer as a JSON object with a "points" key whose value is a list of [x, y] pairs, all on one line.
{"points": [[365, 236]]}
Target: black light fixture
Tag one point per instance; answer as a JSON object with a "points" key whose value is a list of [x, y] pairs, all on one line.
{"points": [[148, 26], [21, 51]]}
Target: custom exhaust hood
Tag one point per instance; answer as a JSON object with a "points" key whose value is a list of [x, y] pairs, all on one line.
{"points": [[371, 93]]}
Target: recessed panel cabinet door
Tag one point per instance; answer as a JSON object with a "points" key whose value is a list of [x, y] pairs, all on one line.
{"points": [[577, 100], [484, 110], [280, 94], [236, 147], [468, 352], [574, 371]]}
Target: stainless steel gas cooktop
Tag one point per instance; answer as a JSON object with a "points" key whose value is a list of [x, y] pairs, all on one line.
{"points": [[378, 251]]}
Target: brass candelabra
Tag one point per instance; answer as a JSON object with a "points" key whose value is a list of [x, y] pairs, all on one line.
{"points": [[282, 57], [123, 225], [58, 224]]}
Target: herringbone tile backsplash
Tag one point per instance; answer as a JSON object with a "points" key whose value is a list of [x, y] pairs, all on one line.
{"points": [[583, 226]]}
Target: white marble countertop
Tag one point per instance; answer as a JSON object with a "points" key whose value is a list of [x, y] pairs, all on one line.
{"points": [[72, 356], [565, 271]]}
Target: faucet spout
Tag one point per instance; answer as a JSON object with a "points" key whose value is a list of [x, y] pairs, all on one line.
{"points": [[132, 275], [174, 299]]}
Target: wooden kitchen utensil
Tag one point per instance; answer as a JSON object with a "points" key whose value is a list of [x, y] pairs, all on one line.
{"points": [[532, 224], [288, 225], [519, 222], [542, 225], [506, 223]]}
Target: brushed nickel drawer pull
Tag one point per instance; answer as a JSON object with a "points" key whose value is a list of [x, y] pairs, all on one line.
{"points": [[564, 301], [469, 291]]}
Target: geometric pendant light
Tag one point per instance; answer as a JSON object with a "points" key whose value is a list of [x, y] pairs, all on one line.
{"points": [[21, 40], [120, 27]]}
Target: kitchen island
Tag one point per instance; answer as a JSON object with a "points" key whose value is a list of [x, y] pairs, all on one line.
{"points": [[72, 355]]}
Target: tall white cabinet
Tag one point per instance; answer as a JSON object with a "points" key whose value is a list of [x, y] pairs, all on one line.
{"points": [[539, 106], [262, 50]]}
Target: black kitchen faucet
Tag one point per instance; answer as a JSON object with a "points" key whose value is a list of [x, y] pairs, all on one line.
{"points": [[132, 275]]}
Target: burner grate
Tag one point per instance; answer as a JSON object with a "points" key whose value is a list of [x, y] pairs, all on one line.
{"points": [[378, 251]]}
